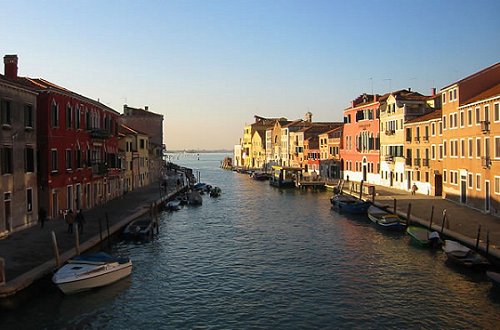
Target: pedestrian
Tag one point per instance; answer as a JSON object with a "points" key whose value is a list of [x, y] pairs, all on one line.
{"points": [[414, 189], [80, 220], [42, 216], [70, 220]]}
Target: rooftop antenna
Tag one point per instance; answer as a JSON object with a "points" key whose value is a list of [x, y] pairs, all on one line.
{"points": [[371, 83]]}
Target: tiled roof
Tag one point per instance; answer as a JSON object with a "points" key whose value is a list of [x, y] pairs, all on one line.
{"points": [[491, 67], [493, 91], [428, 116]]}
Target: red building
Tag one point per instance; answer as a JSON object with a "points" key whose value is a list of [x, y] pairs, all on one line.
{"points": [[360, 155], [77, 147]]}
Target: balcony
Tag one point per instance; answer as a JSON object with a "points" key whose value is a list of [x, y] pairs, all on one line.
{"points": [[389, 158], [99, 168], [390, 132], [417, 139], [485, 126], [426, 138], [408, 161], [97, 133], [486, 162], [416, 162], [425, 162]]}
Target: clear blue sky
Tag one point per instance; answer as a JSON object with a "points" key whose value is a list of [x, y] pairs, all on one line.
{"points": [[210, 66]]}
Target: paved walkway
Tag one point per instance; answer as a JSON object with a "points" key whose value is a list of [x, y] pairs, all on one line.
{"points": [[29, 254], [463, 222]]}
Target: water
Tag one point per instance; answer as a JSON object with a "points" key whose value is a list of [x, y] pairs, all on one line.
{"points": [[259, 257]]}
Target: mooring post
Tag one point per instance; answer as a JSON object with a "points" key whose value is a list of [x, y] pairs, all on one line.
{"points": [[478, 235], [373, 194], [432, 215], [394, 208], [77, 241], [2, 271], [361, 190], [56, 249], [444, 220], [487, 242], [408, 214]]}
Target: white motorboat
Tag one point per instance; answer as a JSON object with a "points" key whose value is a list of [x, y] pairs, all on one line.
{"points": [[90, 271], [463, 256]]}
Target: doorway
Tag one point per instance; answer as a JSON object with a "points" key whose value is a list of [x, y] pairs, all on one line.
{"points": [[487, 196], [463, 189]]}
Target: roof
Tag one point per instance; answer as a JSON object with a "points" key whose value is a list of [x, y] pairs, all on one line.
{"points": [[436, 114], [405, 95], [472, 76], [493, 91]]}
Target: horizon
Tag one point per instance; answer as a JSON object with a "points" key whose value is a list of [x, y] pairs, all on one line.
{"points": [[209, 67]]}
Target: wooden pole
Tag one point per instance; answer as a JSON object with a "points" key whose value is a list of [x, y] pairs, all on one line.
{"points": [[432, 215], [361, 190], [394, 208], [56, 249], [408, 214], [487, 242], [444, 220], [77, 241], [478, 235], [373, 194]]}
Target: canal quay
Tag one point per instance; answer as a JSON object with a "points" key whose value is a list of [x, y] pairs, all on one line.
{"points": [[259, 257]]}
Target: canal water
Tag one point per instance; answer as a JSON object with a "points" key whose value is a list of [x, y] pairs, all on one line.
{"points": [[264, 258]]}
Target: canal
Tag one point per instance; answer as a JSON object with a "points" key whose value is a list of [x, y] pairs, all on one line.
{"points": [[260, 257]]}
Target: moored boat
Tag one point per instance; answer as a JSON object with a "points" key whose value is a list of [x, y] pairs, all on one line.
{"points": [[140, 230], [494, 278], [173, 205], [194, 198], [349, 204], [215, 192], [464, 256], [424, 237], [385, 219], [260, 176], [91, 271]]}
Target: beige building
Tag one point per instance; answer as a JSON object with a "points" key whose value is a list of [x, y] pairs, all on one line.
{"points": [[471, 140], [424, 153], [330, 144], [18, 149], [134, 147]]}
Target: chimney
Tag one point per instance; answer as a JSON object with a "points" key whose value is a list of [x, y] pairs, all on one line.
{"points": [[375, 97], [10, 65], [409, 89], [433, 91], [146, 107]]}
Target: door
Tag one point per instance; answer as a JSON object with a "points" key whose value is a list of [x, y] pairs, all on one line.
{"points": [[78, 201], [438, 184], [364, 172], [408, 180], [487, 196], [463, 189], [55, 206]]}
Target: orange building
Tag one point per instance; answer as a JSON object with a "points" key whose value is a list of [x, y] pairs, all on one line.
{"points": [[471, 140]]}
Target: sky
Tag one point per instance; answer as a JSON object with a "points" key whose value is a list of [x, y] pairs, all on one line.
{"points": [[209, 66]]}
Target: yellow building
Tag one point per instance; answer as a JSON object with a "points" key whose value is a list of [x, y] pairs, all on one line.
{"points": [[471, 140], [134, 146]]}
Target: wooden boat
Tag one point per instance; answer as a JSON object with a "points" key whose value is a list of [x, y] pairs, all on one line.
{"points": [[260, 176], [139, 230], [385, 219], [463, 256], [349, 204], [424, 237], [91, 271], [284, 177], [215, 192], [494, 277], [194, 198], [173, 205]]}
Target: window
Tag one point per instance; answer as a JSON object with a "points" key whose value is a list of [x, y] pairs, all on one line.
{"points": [[478, 181], [78, 158], [470, 178], [77, 117], [497, 146], [440, 129], [444, 98], [6, 158], [478, 116], [6, 115], [455, 94], [470, 149], [462, 148], [69, 113], [69, 163], [487, 113], [29, 200], [54, 115], [469, 117], [433, 152], [497, 111], [444, 122], [444, 148], [462, 118], [433, 129], [497, 185], [440, 151], [142, 143], [478, 147], [53, 160], [29, 160], [444, 176], [28, 116]]}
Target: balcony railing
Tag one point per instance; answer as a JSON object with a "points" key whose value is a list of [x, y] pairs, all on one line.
{"points": [[417, 139], [97, 133], [486, 162], [390, 132], [389, 158], [485, 126], [408, 138], [408, 161], [425, 162], [416, 161], [426, 138]]}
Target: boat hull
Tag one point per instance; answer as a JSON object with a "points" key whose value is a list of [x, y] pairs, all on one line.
{"points": [[494, 278], [349, 204], [386, 220], [463, 256], [141, 230], [422, 237]]}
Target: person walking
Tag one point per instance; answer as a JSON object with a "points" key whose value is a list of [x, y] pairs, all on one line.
{"points": [[42, 216], [80, 220], [414, 189], [70, 220]]}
